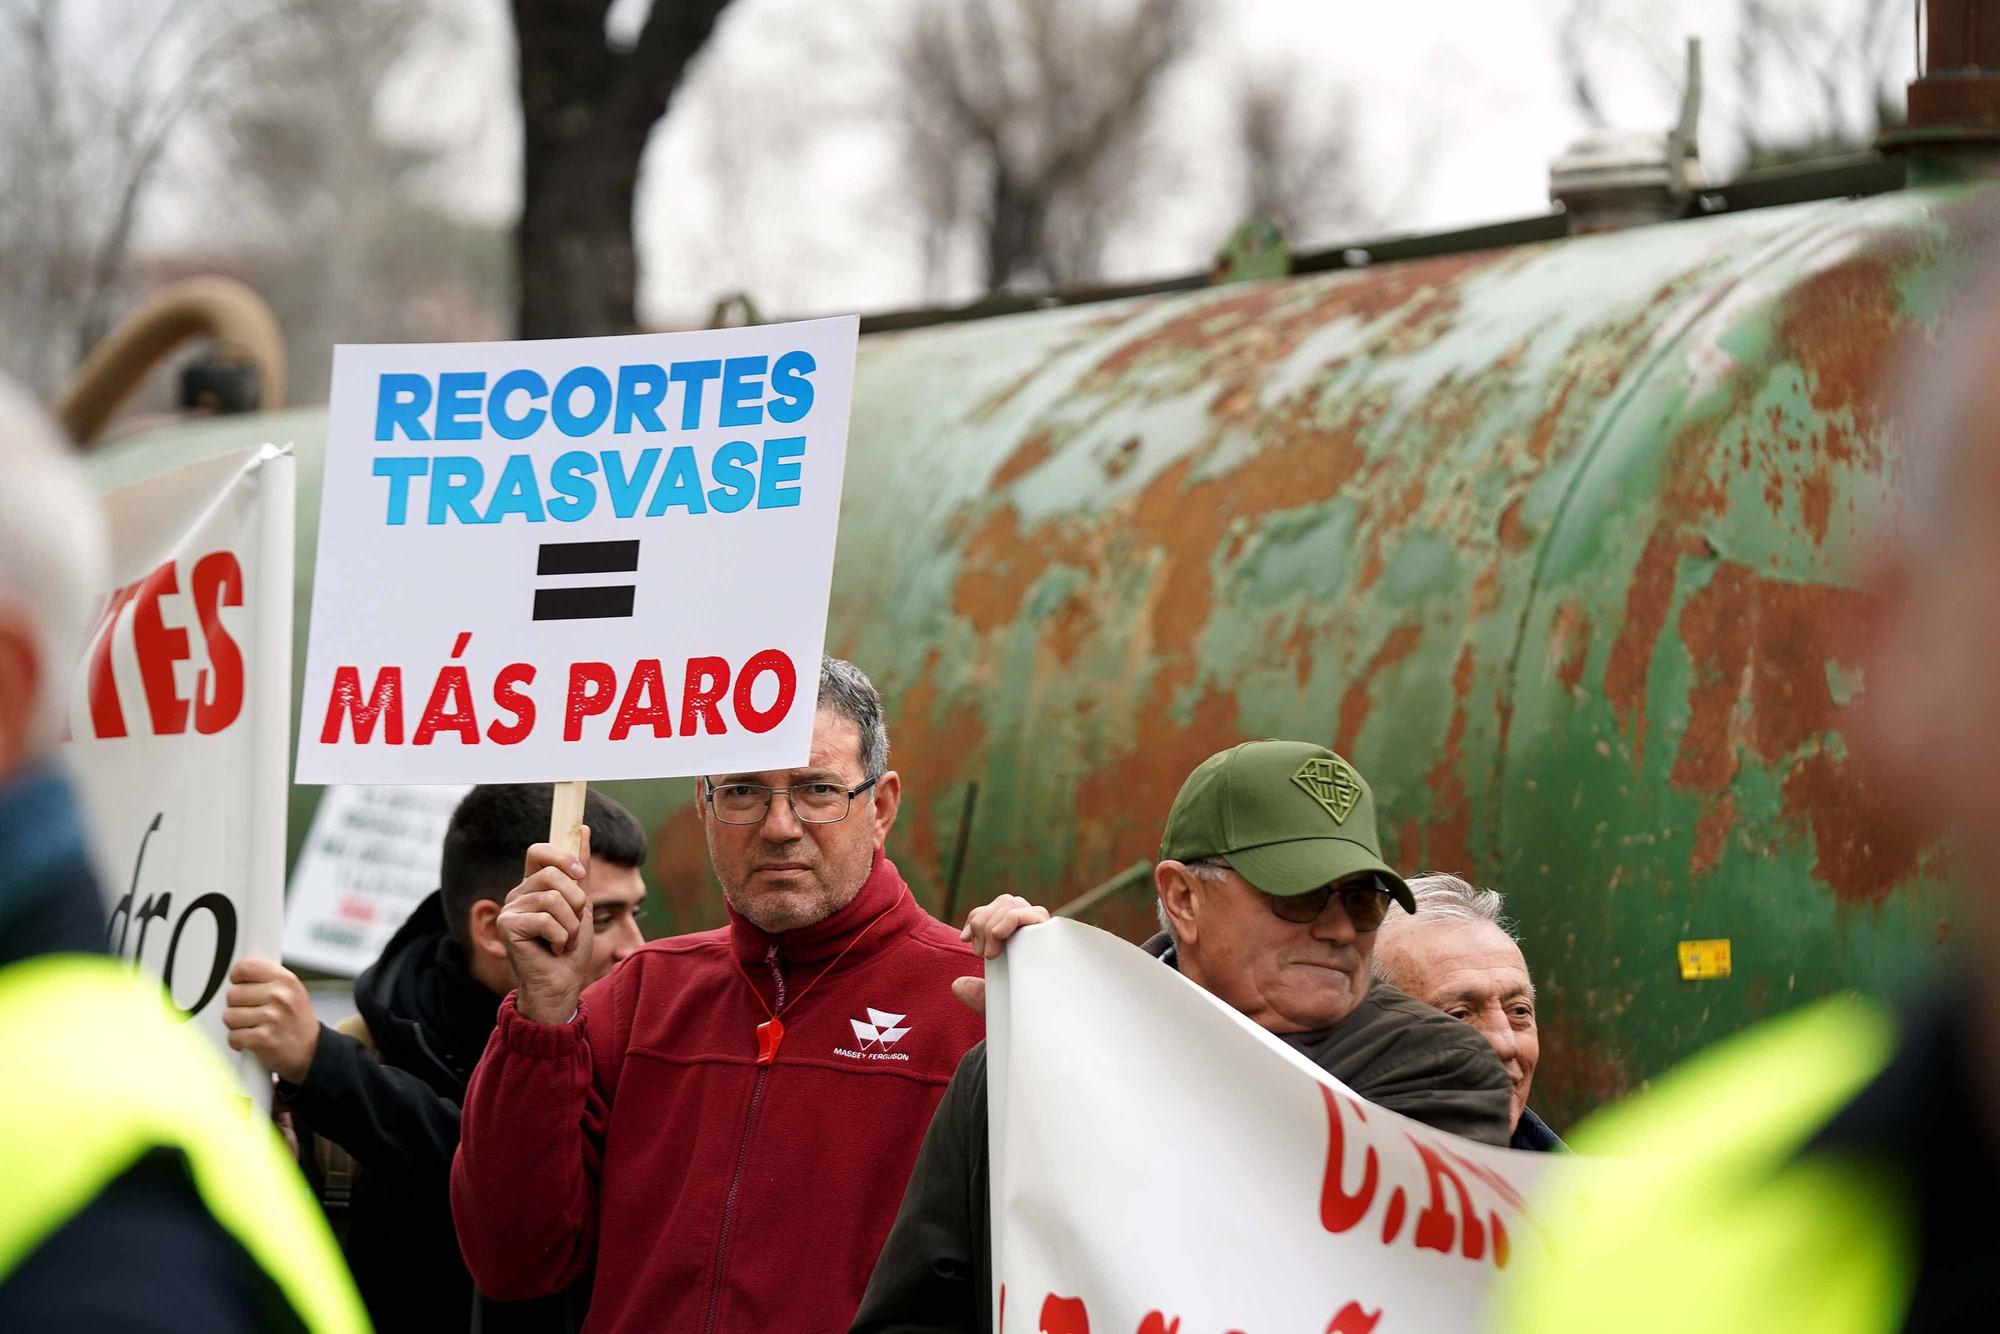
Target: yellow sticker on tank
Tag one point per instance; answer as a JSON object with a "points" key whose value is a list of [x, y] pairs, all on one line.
{"points": [[1704, 959]]}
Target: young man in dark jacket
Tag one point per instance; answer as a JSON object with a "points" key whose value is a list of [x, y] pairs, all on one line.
{"points": [[391, 1101], [1271, 885]]}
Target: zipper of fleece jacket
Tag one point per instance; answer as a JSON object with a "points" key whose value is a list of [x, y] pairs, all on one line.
{"points": [[742, 1153]]}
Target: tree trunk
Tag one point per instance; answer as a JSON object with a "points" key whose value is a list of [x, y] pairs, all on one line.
{"points": [[587, 111], [578, 262]]}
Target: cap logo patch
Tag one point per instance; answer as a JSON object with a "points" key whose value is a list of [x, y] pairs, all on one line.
{"points": [[1332, 784]]}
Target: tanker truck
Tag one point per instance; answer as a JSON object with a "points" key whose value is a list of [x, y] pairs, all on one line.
{"points": [[1552, 527]]}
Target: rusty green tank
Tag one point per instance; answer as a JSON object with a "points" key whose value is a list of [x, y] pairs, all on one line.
{"points": [[1555, 541]]}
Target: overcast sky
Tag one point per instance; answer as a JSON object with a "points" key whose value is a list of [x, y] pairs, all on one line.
{"points": [[776, 172]]}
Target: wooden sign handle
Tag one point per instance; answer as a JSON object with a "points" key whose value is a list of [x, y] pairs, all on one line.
{"points": [[566, 817]]}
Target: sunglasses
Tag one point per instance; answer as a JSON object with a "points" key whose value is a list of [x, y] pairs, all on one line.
{"points": [[1365, 901]]}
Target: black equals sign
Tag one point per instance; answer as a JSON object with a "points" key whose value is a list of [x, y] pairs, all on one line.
{"points": [[588, 602]]}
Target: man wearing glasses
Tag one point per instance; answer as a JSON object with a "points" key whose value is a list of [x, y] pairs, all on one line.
{"points": [[721, 1129], [1271, 886]]}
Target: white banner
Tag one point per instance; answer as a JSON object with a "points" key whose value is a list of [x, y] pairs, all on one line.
{"points": [[179, 721], [370, 857], [1162, 1164], [576, 559]]}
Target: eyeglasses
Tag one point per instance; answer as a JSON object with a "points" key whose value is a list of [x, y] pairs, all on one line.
{"points": [[812, 803], [1365, 902]]}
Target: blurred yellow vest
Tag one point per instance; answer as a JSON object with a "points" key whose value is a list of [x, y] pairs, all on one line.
{"points": [[100, 1069], [1693, 1208]]}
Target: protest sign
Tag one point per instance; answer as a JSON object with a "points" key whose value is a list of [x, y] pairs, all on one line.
{"points": [[1161, 1163], [575, 559], [180, 714], [370, 857]]}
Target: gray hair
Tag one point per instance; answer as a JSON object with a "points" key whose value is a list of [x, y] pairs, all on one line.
{"points": [[52, 551], [846, 690], [1202, 868], [1441, 897]]}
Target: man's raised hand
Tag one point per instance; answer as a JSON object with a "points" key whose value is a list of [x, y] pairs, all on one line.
{"points": [[545, 926]]}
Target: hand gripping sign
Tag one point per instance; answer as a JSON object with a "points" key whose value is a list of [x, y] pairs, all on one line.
{"points": [[581, 558], [1161, 1164]]}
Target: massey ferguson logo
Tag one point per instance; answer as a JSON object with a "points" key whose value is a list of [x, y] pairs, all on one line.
{"points": [[875, 1035]]}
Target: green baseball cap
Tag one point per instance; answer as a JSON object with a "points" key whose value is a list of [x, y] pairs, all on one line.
{"points": [[1288, 816]]}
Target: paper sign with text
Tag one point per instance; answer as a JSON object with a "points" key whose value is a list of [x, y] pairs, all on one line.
{"points": [[180, 714], [575, 559], [371, 856], [1161, 1163]]}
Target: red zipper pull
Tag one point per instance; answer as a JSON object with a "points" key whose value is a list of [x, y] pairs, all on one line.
{"points": [[769, 1034]]}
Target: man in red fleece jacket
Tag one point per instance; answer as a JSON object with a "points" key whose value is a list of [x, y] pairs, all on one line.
{"points": [[723, 1126]]}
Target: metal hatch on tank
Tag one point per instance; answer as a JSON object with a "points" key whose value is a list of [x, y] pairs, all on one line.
{"points": [[1556, 540]]}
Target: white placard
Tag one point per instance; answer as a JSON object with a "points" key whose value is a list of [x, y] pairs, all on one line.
{"points": [[583, 558], [370, 857], [179, 719], [1159, 1162]]}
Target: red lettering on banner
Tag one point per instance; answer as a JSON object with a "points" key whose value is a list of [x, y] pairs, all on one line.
{"points": [[1064, 1315], [385, 702], [591, 688], [634, 710], [107, 717], [160, 647], [1338, 1209], [508, 695], [217, 582], [1448, 1222], [1435, 1224], [1351, 1319], [780, 666], [449, 709], [707, 682], [1157, 1323]]}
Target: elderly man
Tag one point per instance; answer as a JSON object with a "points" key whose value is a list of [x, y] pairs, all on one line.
{"points": [[1271, 886], [1835, 1170], [1456, 954], [722, 1127]]}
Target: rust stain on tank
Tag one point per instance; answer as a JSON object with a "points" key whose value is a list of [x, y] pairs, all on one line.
{"points": [[1514, 534], [1861, 848], [1575, 1073], [1842, 324], [1569, 643], [1358, 700], [1447, 834], [1216, 340], [1816, 504], [1029, 455], [1647, 599], [1132, 790], [1759, 648], [1711, 832], [930, 747]]}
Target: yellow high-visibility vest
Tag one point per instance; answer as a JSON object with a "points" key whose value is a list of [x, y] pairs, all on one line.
{"points": [[1700, 1206], [99, 1069]]}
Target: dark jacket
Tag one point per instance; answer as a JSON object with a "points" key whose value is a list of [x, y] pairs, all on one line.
{"points": [[398, 1116], [936, 1269], [1533, 1134], [175, 1267]]}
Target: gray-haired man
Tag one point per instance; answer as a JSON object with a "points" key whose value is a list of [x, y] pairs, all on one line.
{"points": [[1457, 955]]}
